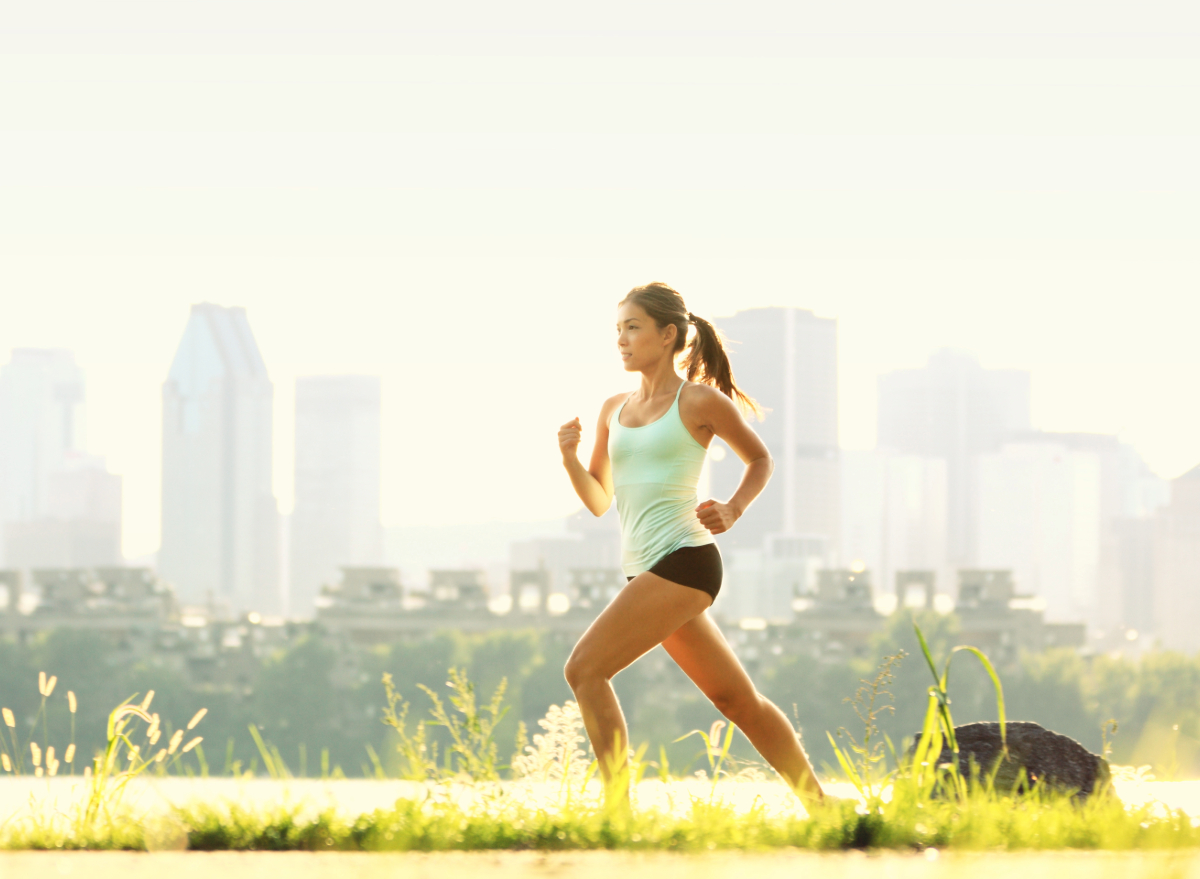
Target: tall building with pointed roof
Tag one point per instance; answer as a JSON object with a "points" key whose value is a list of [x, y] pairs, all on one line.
{"points": [[220, 521]]}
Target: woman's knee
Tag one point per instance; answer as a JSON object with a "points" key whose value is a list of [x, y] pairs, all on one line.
{"points": [[738, 708], [579, 671]]}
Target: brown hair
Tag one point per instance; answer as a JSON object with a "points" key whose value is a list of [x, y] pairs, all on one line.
{"points": [[706, 360]]}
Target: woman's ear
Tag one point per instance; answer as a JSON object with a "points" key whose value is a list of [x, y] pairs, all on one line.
{"points": [[669, 334]]}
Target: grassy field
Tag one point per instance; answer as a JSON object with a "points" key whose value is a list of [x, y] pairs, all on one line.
{"points": [[150, 790], [671, 816]]}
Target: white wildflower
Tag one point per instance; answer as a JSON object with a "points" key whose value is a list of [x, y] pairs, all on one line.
{"points": [[555, 754]]}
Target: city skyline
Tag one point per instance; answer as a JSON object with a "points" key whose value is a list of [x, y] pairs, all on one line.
{"points": [[457, 211], [282, 446], [1059, 512]]}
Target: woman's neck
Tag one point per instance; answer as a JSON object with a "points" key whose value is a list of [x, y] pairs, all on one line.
{"points": [[661, 380]]}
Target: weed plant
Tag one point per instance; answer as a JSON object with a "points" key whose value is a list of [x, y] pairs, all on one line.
{"points": [[554, 799]]}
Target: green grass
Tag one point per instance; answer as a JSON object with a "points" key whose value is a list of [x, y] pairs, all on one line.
{"points": [[915, 805], [435, 823]]}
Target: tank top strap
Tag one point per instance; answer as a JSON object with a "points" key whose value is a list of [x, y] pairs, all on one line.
{"points": [[615, 418], [679, 391]]}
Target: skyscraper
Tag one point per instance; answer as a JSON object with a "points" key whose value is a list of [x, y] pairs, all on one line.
{"points": [[1129, 494], [786, 358], [1176, 599], [1039, 514], [219, 516], [893, 513], [953, 409], [41, 422], [59, 507], [336, 518]]}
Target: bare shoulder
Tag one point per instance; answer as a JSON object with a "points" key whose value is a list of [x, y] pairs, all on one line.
{"points": [[702, 406], [703, 402], [614, 401], [609, 406], [701, 393]]}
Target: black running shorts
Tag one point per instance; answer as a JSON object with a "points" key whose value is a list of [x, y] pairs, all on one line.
{"points": [[696, 566]]}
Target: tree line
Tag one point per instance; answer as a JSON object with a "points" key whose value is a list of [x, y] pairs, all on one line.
{"points": [[319, 702]]}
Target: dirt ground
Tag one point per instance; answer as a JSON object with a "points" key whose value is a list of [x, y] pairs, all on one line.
{"points": [[599, 865]]}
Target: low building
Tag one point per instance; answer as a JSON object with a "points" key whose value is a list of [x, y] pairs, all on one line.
{"points": [[591, 589], [839, 621], [1003, 623], [110, 599]]}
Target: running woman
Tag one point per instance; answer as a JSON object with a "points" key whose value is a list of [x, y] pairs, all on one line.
{"points": [[650, 446]]}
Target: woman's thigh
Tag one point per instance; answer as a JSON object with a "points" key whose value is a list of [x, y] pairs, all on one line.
{"points": [[645, 611], [699, 648]]}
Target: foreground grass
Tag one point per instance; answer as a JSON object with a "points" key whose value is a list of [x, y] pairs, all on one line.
{"points": [[981, 822], [928, 804]]}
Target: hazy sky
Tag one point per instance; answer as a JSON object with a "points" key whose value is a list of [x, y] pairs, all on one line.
{"points": [[454, 198]]}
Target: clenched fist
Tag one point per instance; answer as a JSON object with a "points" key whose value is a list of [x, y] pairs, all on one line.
{"points": [[716, 516], [568, 437]]}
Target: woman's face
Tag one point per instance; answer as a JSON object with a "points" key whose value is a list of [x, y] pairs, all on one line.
{"points": [[640, 342]]}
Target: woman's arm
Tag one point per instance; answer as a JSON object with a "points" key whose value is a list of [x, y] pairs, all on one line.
{"points": [[721, 416], [593, 485]]}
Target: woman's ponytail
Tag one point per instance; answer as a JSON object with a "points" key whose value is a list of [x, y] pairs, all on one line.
{"points": [[706, 360]]}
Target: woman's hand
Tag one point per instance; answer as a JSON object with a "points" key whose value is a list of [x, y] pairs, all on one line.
{"points": [[716, 516], [568, 438]]}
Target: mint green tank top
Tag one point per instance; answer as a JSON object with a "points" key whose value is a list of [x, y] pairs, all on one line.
{"points": [[655, 469]]}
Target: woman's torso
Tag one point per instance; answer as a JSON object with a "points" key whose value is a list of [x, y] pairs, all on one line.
{"points": [[655, 470]]}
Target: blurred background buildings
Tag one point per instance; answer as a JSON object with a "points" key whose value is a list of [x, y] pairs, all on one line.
{"points": [[1064, 538], [59, 506], [786, 358]]}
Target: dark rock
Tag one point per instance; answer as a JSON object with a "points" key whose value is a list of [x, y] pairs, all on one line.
{"points": [[1047, 757]]}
